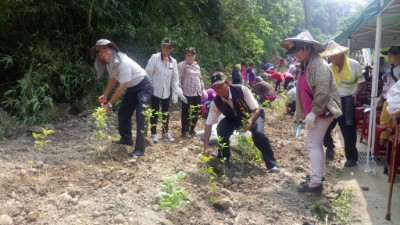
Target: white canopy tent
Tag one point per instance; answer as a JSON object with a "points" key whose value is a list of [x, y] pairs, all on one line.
{"points": [[378, 26]]}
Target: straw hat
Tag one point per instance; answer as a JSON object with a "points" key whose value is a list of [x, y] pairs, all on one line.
{"points": [[300, 40], [333, 48]]}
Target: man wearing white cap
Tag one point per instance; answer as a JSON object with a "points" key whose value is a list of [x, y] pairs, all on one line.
{"points": [[235, 102], [350, 81], [133, 81]]}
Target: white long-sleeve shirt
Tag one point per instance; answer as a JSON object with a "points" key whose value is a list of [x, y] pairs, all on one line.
{"points": [[163, 76]]}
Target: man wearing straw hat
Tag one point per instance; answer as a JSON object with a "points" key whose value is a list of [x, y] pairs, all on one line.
{"points": [[350, 81]]}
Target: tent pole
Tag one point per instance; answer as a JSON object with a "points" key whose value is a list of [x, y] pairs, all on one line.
{"points": [[348, 45], [375, 71]]}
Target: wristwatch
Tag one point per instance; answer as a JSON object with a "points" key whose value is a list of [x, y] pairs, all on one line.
{"points": [[109, 104]]}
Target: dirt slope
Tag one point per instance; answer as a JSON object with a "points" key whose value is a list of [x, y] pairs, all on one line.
{"points": [[76, 179]]}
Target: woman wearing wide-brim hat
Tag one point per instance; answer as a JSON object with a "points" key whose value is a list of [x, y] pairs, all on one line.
{"points": [[317, 102]]}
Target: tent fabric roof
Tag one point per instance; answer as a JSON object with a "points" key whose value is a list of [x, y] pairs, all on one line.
{"points": [[362, 31]]}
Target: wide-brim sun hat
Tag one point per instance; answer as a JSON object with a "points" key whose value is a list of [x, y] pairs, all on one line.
{"points": [[102, 42], [332, 49], [304, 38]]}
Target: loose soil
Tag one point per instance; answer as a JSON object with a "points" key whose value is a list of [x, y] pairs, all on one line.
{"points": [[76, 179]]}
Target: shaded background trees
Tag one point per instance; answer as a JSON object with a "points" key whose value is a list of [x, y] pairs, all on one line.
{"points": [[44, 45]]}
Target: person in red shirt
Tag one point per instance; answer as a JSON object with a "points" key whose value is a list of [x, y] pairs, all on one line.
{"points": [[288, 77], [277, 79]]}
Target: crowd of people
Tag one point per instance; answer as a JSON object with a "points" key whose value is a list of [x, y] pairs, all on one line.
{"points": [[322, 85]]}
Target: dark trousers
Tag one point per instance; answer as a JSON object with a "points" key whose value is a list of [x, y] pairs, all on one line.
{"points": [[278, 85], [189, 121], [155, 105], [349, 132], [133, 99], [328, 140], [287, 81], [226, 127]]}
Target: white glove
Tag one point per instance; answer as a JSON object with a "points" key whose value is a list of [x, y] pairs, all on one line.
{"points": [[183, 98], [205, 95], [309, 120], [174, 99]]}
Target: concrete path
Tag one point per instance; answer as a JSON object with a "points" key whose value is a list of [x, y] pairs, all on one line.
{"points": [[371, 191]]}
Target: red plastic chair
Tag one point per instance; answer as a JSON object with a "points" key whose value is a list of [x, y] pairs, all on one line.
{"points": [[359, 117], [379, 128], [388, 161]]}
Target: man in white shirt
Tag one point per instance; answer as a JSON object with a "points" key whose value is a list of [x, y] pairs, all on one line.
{"points": [[236, 103], [162, 71]]}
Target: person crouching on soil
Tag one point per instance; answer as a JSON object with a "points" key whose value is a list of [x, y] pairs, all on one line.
{"points": [[263, 91], [132, 79], [234, 102], [317, 102]]}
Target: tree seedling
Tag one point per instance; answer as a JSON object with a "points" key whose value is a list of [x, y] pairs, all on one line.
{"points": [[173, 197], [41, 138], [148, 114], [100, 116], [194, 113], [211, 176]]}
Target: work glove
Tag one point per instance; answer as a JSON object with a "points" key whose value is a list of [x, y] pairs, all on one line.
{"points": [[174, 98], [183, 98], [205, 95], [309, 120], [102, 100]]}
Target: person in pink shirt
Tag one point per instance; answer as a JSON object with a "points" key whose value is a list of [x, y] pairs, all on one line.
{"points": [[243, 70], [317, 102]]}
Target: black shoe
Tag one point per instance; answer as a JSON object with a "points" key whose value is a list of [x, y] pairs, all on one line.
{"points": [[122, 142], [136, 153], [308, 178], [330, 154], [304, 187], [350, 163]]}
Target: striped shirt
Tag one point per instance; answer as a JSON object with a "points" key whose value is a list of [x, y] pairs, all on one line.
{"points": [[190, 79], [163, 76]]}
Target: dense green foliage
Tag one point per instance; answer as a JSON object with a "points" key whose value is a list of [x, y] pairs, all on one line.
{"points": [[44, 45]]}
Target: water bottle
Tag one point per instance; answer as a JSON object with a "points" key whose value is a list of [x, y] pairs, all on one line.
{"points": [[372, 165]]}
